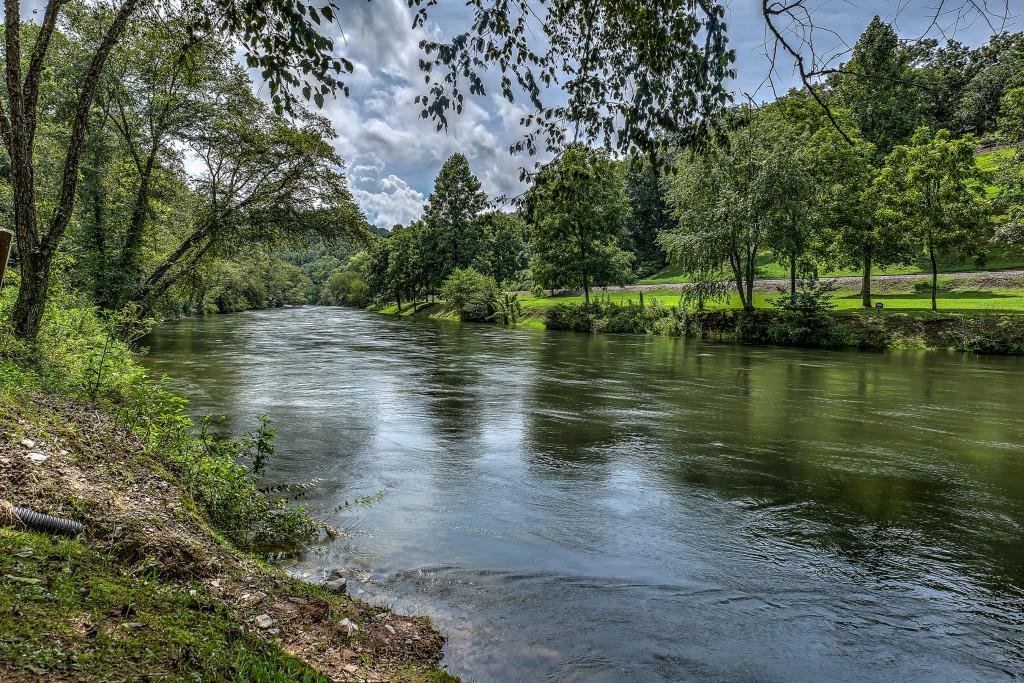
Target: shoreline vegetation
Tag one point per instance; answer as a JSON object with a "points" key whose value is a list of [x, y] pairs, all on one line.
{"points": [[168, 579], [980, 313]]}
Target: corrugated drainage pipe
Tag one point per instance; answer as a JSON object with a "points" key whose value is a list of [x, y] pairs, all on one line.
{"points": [[37, 521]]}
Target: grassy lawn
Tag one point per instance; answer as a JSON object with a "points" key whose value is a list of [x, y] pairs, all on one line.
{"points": [[965, 301], [767, 268]]}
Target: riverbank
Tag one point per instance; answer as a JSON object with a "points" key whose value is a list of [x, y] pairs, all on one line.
{"points": [[978, 312], [166, 580]]}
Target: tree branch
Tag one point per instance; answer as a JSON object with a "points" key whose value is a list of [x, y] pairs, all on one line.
{"points": [[770, 10], [69, 181], [35, 67]]}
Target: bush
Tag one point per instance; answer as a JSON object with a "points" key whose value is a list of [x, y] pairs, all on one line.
{"points": [[87, 356], [508, 310], [571, 318], [805, 320], [470, 294]]}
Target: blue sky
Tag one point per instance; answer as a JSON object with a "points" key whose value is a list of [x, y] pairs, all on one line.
{"points": [[393, 154]]}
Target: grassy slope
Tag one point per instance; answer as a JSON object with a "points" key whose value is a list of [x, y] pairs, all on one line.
{"points": [[150, 590]]}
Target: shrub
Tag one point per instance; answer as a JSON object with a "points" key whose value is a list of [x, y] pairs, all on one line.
{"points": [[804, 320], [508, 310], [87, 356], [470, 294], [571, 318]]}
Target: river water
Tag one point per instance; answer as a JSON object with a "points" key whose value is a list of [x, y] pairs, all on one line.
{"points": [[628, 508]]}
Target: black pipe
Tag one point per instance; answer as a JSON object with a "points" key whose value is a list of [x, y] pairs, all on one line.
{"points": [[37, 521]]}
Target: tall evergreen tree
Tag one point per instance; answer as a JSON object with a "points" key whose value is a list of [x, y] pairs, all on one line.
{"points": [[451, 236], [650, 215]]}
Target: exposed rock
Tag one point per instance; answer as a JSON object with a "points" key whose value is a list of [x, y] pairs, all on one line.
{"points": [[389, 628], [349, 625], [255, 598], [28, 443], [335, 574], [351, 668], [264, 621], [37, 457], [337, 585]]}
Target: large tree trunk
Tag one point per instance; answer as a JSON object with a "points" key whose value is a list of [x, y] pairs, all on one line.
{"points": [[865, 282], [36, 250], [35, 285], [586, 290]]}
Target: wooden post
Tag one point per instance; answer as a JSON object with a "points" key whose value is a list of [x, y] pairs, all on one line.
{"points": [[6, 237]]}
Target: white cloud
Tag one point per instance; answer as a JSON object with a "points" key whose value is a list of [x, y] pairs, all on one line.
{"points": [[387, 200], [393, 153]]}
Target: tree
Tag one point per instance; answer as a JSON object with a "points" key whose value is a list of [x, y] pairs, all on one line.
{"points": [[650, 214], [932, 190], [260, 178], [728, 202], [875, 86], [350, 284], [395, 266], [471, 294], [152, 83], [1011, 182], [878, 88], [451, 235], [996, 67], [791, 226], [273, 33], [503, 254], [577, 212], [841, 167]]}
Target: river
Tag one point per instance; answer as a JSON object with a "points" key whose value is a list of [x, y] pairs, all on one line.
{"points": [[628, 508]]}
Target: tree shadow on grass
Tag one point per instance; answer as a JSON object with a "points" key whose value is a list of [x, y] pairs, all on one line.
{"points": [[947, 301]]}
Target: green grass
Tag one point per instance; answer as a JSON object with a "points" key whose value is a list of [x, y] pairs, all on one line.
{"points": [[767, 268], [66, 608], [961, 301]]}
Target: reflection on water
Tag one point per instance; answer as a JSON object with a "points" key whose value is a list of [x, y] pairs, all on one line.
{"points": [[644, 509]]}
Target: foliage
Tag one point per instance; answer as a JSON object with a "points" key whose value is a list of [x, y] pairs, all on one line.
{"points": [[472, 295], [932, 191], [806, 318], [83, 355], [350, 285], [650, 214], [450, 236], [637, 76], [502, 254], [577, 211], [507, 309]]}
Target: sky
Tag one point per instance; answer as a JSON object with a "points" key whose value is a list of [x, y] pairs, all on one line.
{"points": [[393, 154]]}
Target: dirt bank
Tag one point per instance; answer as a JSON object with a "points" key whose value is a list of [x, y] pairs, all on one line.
{"points": [[149, 591]]}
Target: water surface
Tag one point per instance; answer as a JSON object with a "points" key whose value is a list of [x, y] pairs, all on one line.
{"points": [[626, 508]]}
